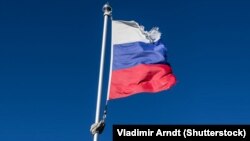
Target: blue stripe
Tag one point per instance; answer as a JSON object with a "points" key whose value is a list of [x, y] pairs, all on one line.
{"points": [[132, 54]]}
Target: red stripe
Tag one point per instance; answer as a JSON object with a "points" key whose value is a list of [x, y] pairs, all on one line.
{"points": [[142, 78]]}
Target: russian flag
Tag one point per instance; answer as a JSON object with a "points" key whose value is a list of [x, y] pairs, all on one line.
{"points": [[139, 61]]}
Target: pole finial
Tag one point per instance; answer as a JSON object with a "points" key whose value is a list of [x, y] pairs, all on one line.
{"points": [[107, 9]]}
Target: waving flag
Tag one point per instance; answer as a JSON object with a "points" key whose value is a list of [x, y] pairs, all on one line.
{"points": [[139, 61]]}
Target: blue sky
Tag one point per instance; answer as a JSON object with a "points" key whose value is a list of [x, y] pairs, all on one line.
{"points": [[49, 66]]}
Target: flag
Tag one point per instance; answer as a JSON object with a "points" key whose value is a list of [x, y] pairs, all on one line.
{"points": [[139, 61]]}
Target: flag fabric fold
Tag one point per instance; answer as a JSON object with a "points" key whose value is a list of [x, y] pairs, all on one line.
{"points": [[139, 61]]}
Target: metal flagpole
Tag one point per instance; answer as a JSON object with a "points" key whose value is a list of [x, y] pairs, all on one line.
{"points": [[107, 12]]}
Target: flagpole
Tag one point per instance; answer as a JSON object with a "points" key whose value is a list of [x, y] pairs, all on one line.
{"points": [[107, 12]]}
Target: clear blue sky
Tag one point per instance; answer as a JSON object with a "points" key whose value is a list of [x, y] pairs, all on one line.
{"points": [[49, 66]]}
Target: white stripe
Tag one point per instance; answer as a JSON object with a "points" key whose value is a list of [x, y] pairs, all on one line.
{"points": [[131, 31]]}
